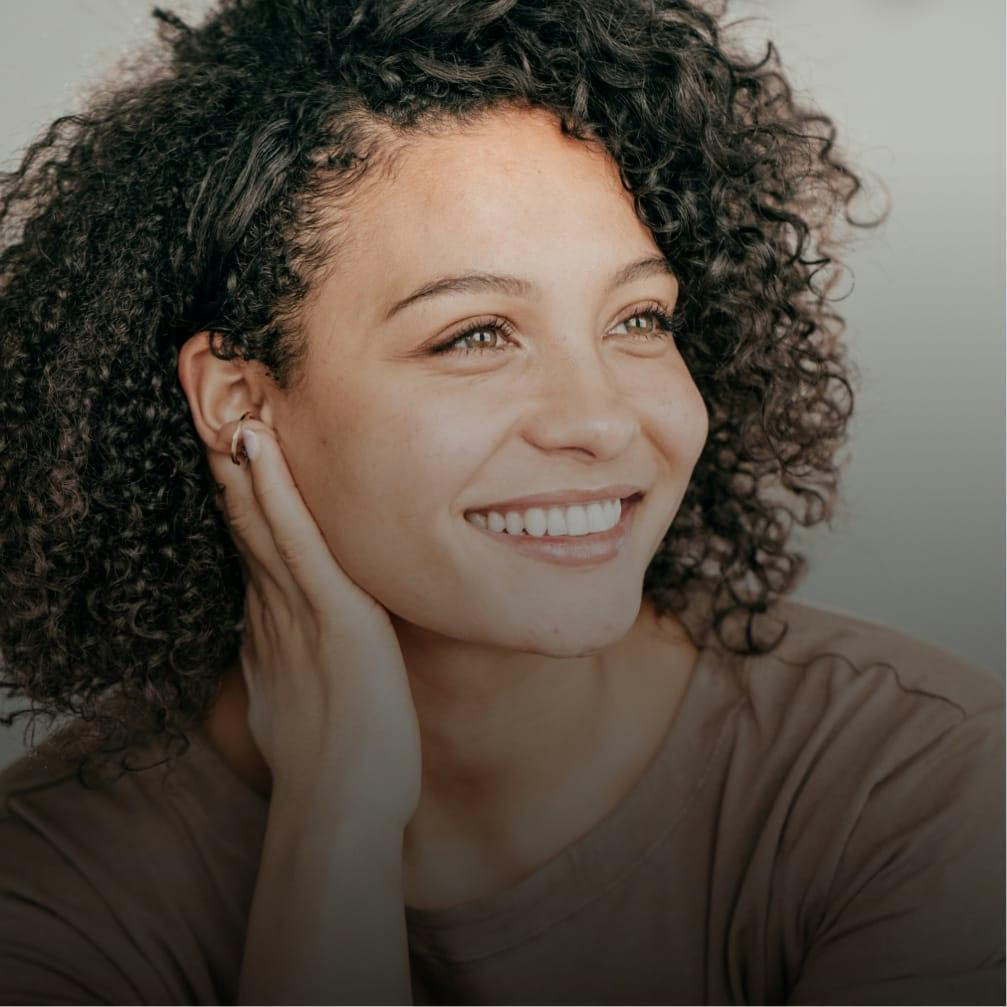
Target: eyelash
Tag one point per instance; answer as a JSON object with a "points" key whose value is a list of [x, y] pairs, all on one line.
{"points": [[668, 327]]}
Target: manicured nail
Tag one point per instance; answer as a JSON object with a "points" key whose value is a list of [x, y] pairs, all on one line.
{"points": [[251, 443]]}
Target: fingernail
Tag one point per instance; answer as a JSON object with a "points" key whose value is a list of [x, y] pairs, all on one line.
{"points": [[251, 443]]}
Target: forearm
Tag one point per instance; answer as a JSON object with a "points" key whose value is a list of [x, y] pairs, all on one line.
{"points": [[327, 922]]}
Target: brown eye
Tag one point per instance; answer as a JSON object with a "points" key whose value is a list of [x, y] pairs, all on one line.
{"points": [[660, 327], [456, 343]]}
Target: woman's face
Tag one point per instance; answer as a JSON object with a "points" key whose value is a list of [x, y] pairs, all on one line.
{"points": [[392, 443]]}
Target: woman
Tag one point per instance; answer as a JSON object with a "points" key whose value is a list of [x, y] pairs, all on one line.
{"points": [[499, 336]]}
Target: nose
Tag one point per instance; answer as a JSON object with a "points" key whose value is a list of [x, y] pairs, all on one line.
{"points": [[580, 408]]}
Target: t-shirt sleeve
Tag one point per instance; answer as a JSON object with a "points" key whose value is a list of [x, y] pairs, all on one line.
{"points": [[56, 933], [915, 911], [45, 959]]}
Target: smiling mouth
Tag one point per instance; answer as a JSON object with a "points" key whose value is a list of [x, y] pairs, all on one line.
{"points": [[585, 521]]}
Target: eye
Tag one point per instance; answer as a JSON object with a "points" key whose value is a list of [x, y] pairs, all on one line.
{"points": [[662, 324], [662, 327], [486, 326]]}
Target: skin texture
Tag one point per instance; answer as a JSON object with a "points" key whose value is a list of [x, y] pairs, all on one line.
{"points": [[542, 691]]}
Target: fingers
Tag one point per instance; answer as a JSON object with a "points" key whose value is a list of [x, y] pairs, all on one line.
{"points": [[297, 540], [257, 552], [271, 523]]}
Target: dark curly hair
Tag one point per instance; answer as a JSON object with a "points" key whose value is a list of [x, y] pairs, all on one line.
{"points": [[189, 197]]}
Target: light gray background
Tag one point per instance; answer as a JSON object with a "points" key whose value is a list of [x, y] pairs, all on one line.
{"points": [[917, 89]]}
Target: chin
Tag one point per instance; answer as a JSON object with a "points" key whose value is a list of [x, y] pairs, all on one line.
{"points": [[562, 631], [531, 616]]}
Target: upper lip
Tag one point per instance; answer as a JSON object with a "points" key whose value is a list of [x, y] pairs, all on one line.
{"points": [[562, 498]]}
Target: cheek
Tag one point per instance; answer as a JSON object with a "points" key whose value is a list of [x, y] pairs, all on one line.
{"points": [[380, 523], [678, 416], [431, 446], [695, 422], [401, 470], [378, 472]]}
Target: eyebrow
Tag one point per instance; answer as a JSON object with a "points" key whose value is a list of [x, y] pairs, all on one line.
{"points": [[516, 287]]}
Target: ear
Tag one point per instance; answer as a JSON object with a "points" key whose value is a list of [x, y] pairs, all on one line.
{"points": [[219, 391]]}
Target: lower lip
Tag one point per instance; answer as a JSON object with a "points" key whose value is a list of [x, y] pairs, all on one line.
{"points": [[571, 550]]}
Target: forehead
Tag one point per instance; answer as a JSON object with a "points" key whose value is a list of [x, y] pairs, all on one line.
{"points": [[511, 179]]}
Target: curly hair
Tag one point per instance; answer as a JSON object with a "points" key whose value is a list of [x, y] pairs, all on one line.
{"points": [[189, 196]]}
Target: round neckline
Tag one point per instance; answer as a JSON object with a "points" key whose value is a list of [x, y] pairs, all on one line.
{"points": [[655, 807]]}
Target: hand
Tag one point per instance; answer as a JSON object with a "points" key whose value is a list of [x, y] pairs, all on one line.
{"points": [[328, 691]]}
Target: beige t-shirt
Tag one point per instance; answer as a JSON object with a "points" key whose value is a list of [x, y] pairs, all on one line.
{"points": [[821, 825]]}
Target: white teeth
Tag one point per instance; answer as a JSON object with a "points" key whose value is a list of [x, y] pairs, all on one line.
{"points": [[557, 521], [515, 523], [578, 519], [535, 521], [597, 516]]}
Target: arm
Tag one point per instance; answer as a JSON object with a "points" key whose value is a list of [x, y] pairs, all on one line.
{"points": [[327, 924], [330, 709]]}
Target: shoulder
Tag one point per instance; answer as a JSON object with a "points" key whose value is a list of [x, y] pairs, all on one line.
{"points": [[886, 758], [45, 778], [861, 735], [830, 659], [103, 834], [71, 876], [132, 850], [153, 839], [867, 775], [134, 891]]}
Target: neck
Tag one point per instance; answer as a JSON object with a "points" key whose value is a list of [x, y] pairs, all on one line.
{"points": [[503, 733], [499, 727]]}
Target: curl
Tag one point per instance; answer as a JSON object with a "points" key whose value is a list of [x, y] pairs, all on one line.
{"points": [[201, 191]]}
